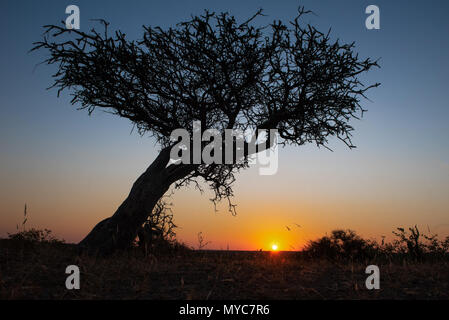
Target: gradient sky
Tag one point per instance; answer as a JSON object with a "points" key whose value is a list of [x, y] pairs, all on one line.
{"points": [[74, 170]]}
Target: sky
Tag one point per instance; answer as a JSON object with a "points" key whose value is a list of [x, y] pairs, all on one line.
{"points": [[73, 170]]}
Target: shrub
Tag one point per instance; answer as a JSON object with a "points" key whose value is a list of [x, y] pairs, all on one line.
{"points": [[419, 246], [35, 235], [410, 244], [341, 244]]}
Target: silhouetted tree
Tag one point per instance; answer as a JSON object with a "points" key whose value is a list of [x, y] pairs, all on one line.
{"points": [[212, 69]]}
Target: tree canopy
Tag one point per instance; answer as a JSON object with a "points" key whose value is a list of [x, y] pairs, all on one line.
{"points": [[223, 73]]}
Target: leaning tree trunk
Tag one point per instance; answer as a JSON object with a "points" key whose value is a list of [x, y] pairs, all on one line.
{"points": [[120, 230]]}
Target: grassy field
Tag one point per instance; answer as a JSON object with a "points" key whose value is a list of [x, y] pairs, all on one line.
{"points": [[36, 270]]}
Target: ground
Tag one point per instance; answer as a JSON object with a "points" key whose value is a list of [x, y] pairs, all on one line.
{"points": [[37, 271]]}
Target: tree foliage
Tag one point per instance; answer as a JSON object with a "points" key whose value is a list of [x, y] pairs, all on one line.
{"points": [[227, 75]]}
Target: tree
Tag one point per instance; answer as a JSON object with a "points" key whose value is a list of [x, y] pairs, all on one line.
{"points": [[212, 69]]}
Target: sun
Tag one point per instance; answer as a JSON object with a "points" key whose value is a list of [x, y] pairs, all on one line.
{"points": [[274, 247]]}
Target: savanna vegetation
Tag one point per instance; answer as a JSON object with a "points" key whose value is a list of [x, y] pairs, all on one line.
{"points": [[412, 266], [227, 75]]}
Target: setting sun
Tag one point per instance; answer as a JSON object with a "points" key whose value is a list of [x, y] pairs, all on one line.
{"points": [[274, 247]]}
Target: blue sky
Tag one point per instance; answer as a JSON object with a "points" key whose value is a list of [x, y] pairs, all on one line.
{"points": [[62, 160]]}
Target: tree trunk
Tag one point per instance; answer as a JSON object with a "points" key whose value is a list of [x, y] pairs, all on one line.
{"points": [[120, 230]]}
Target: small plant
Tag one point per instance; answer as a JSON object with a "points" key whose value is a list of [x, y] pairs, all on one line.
{"points": [[410, 243], [158, 231], [35, 235], [201, 242], [32, 235], [418, 245]]}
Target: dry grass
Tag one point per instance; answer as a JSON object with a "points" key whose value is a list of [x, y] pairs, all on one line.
{"points": [[37, 271]]}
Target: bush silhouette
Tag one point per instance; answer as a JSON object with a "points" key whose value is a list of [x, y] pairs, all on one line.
{"points": [[411, 245], [344, 244]]}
